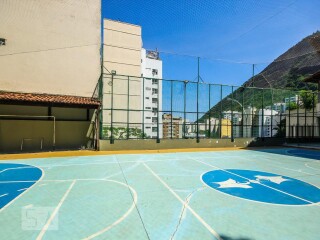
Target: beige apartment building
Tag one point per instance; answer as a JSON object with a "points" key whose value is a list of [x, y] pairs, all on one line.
{"points": [[49, 68], [172, 126], [122, 56]]}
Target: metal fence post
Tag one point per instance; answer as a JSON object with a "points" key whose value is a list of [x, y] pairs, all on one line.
{"points": [[262, 115], [198, 140], [158, 138], [220, 118], [298, 120], [143, 90], [290, 132], [232, 135], [313, 107], [112, 137], [171, 102], [243, 114], [209, 132], [184, 108], [128, 107]]}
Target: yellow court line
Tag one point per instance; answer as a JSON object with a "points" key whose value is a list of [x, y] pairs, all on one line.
{"points": [[92, 152]]}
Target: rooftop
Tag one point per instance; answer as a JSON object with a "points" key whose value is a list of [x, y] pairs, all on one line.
{"points": [[47, 99]]}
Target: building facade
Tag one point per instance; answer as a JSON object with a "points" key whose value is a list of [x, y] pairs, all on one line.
{"points": [[172, 126], [151, 69], [122, 58], [49, 68], [50, 46], [268, 122]]}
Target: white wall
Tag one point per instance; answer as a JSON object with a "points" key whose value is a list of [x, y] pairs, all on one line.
{"points": [[147, 65], [52, 46]]}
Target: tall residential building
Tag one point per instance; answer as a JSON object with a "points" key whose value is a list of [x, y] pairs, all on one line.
{"points": [[122, 55], [268, 121], [151, 69], [172, 126]]}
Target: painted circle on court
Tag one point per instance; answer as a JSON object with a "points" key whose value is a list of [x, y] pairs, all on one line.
{"points": [[262, 187]]}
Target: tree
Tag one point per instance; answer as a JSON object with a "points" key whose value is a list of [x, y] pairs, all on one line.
{"points": [[308, 99], [281, 128]]}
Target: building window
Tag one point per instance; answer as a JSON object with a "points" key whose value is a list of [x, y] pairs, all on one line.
{"points": [[148, 117], [154, 100], [154, 91], [154, 109], [147, 88], [2, 41], [154, 71], [147, 97], [154, 81], [148, 107], [154, 129]]}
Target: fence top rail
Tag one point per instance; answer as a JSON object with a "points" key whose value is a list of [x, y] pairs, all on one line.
{"points": [[210, 84]]}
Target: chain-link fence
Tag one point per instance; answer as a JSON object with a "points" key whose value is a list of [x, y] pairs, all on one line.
{"points": [[146, 108]]}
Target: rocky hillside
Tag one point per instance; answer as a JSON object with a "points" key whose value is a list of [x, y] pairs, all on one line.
{"points": [[285, 74], [290, 69]]}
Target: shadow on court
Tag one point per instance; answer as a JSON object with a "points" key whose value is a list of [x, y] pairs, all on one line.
{"points": [[292, 152], [226, 237]]}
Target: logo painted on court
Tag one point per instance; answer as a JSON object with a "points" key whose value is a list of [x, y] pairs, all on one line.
{"points": [[262, 187]]}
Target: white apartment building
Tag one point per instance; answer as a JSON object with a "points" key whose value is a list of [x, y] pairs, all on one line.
{"points": [[151, 70], [268, 121], [293, 99]]}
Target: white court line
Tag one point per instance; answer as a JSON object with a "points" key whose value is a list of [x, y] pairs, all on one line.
{"points": [[306, 164], [46, 226], [206, 225], [124, 216], [104, 163], [7, 169], [291, 195], [4, 195], [276, 164], [22, 189]]}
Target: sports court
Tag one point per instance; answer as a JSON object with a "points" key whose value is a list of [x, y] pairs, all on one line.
{"points": [[270, 193]]}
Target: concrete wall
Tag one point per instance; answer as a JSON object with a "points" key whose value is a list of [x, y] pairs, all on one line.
{"points": [[69, 135], [51, 46], [150, 144], [122, 53], [71, 128], [302, 123]]}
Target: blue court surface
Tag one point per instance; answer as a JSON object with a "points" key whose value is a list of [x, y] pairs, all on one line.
{"points": [[231, 195]]}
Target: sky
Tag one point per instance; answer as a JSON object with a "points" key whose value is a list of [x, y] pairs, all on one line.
{"points": [[228, 36]]}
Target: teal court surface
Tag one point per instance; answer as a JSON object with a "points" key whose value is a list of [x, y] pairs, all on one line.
{"points": [[231, 195]]}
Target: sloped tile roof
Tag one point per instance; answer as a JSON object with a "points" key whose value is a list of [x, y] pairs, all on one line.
{"points": [[47, 98]]}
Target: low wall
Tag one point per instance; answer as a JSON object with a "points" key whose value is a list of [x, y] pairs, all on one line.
{"points": [[151, 144], [69, 135]]}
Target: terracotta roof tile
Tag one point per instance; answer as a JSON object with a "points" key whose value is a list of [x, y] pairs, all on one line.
{"points": [[47, 98]]}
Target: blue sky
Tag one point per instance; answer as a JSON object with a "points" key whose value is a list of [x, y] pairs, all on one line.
{"points": [[252, 31]]}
